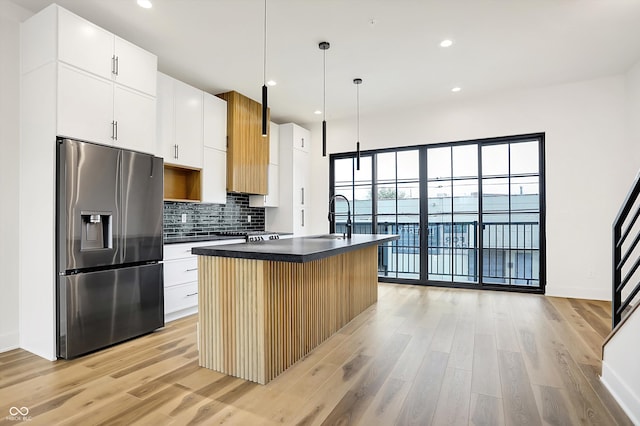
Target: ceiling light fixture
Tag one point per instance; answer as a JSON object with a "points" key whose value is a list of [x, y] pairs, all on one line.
{"points": [[446, 43], [324, 46], [145, 4], [265, 124], [456, 89], [317, 112], [271, 83], [357, 82]]}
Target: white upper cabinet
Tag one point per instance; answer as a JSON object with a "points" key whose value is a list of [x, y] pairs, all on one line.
{"points": [[214, 176], [91, 108], [214, 171], [274, 144], [188, 125], [85, 106], [135, 68], [215, 122], [301, 138], [134, 119], [105, 85], [84, 45], [93, 49], [180, 122], [272, 199], [294, 198]]}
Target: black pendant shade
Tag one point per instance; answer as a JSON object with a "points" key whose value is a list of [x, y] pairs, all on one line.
{"points": [[265, 119], [324, 138], [357, 82]]}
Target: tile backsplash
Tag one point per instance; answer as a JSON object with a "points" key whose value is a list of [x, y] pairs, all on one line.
{"points": [[207, 219]]}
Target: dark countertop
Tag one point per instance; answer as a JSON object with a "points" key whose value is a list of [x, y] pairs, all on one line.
{"points": [[298, 250]]}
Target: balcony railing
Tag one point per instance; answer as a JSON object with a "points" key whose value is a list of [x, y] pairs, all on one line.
{"points": [[510, 251]]}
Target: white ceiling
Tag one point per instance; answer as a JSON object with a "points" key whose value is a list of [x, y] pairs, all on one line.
{"points": [[393, 45]]}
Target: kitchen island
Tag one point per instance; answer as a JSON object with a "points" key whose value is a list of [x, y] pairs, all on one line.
{"points": [[265, 305]]}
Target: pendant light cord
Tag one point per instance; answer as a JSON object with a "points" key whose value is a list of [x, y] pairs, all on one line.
{"points": [[324, 84], [264, 65], [358, 112]]}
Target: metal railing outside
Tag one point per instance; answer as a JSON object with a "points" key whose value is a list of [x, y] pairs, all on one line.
{"points": [[510, 250]]}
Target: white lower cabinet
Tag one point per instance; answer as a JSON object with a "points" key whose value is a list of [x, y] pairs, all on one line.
{"points": [[180, 297], [181, 278]]}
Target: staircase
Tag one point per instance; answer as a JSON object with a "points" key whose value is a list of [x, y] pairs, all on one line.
{"points": [[621, 349]]}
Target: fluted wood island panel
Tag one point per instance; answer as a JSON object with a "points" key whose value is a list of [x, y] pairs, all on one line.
{"points": [[258, 317]]}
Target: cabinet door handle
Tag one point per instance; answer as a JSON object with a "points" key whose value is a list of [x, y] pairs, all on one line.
{"points": [[191, 269], [302, 139], [302, 195], [302, 211], [113, 65], [192, 294], [117, 65], [116, 134], [113, 130], [175, 152]]}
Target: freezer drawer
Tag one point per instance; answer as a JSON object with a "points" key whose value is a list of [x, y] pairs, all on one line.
{"points": [[98, 309]]}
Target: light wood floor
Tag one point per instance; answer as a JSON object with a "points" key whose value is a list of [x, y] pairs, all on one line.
{"points": [[419, 356]]}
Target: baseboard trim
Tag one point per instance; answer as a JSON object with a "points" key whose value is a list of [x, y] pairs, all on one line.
{"points": [[9, 342], [180, 314], [579, 293], [629, 402]]}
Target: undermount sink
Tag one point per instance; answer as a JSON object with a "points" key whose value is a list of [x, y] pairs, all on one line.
{"points": [[330, 237]]}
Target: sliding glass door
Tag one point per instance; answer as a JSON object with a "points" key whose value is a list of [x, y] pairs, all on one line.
{"points": [[468, 214], [452, 213]]}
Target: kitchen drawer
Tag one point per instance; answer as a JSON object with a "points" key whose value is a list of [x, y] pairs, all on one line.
{"points": [[180, 271], [177, 251], [180, 297], [180, 251]]}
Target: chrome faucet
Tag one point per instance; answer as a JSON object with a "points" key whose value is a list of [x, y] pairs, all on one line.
{"points": [[332, 200]]}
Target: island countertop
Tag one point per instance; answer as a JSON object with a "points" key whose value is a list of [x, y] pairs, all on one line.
{"points": [[296, 250]]}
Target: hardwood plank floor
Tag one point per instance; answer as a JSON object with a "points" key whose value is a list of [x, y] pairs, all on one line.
{"points": [[421, 355]]}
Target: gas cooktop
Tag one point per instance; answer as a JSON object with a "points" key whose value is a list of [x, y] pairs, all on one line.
{"points": [[251, 236]]}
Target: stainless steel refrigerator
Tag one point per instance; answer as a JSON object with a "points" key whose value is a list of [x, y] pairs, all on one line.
{"points": [[109, 246]]}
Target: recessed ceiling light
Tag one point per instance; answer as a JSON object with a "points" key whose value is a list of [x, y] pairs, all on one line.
{"points": [[317, 112], [446, 43], [456, 89], [271, 83], [145, 3]]}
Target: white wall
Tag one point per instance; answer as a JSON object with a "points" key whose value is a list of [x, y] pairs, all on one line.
{"points": [[632, 91], [620, 372], [588, 163], [10, 17]]}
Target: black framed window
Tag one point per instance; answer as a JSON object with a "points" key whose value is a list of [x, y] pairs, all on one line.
{"points": [[468, 213]]}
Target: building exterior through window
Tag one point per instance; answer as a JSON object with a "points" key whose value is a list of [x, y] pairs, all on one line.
{"points": [[469, 214]]}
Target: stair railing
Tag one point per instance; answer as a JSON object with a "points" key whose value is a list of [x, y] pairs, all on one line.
{"points": [[623, 230]]}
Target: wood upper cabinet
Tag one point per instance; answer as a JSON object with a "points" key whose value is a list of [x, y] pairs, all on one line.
{"points": [[247, 151]]}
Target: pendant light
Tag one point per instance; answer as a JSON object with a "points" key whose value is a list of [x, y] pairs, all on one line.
{"points": [[265, 123], [324, 46], [357, 82]]}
